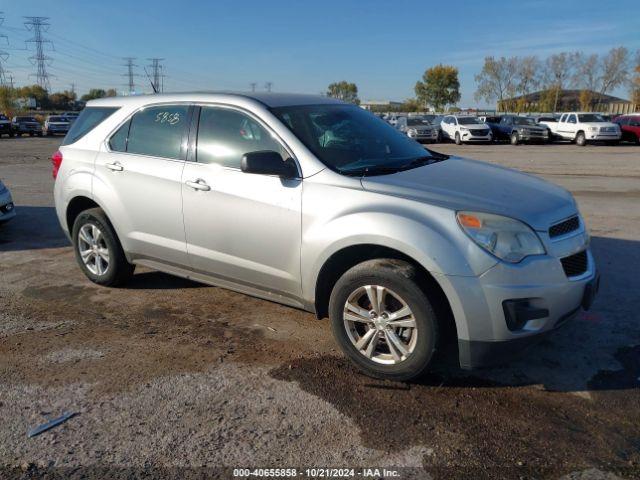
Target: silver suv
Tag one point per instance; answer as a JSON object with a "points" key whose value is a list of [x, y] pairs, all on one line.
{"points": [[318, 204]]}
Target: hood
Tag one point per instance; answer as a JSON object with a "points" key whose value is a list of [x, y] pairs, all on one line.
{"points": [[530, 127], [460, 184]]}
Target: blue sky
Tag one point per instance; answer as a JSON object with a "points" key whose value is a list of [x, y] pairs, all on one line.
{"points": [[302, 46]]}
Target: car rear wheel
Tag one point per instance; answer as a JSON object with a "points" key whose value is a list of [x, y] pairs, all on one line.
{"points": [[514, 138], [458, 139], [383, 321], [98, 250], [581, 139]]}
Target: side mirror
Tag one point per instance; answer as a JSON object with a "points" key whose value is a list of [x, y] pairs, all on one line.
{"points": [[267, 162]]}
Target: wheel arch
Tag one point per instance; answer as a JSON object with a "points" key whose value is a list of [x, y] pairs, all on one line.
{"points": [[344, 259], [75, 207]]}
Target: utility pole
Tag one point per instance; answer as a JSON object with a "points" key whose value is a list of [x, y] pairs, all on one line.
{"points": [[39, 25], [130, 66], [156, 69], [253, 86], [3, 55], [268, 86], [73, 89]]}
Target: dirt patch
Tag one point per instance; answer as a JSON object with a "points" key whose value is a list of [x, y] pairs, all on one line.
{"points": [[472, 422]]}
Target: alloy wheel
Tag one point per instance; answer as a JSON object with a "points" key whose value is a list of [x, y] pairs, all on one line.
{"points": [[93, 249], [380, 324]]}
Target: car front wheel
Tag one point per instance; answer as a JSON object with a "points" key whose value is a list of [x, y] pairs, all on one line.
{"points": [[383, 321], [514, 139], [458, 139], [98, 250], [581, 140]]}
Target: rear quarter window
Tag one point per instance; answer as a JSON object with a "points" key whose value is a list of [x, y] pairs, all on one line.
{"points": [[88, 119]]}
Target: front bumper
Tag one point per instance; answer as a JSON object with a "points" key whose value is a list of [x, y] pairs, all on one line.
{"points": [[478, 305], [7, 208], [470, 136], [424, 136], [533, 137], [603, 136]]}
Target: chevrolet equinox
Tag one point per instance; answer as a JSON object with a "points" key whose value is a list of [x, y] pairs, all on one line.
{"points": [[320, 205]]}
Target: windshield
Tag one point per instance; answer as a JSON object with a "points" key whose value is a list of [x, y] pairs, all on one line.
{"points": [[523, 121], [352, 141], [57, 119], [26, 119], [413, 121], [469, 121], [590, 117]]}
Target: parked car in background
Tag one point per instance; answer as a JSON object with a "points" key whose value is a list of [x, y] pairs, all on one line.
{"points": [[517, 129], [462, 129], [314, 203], [583, 128], [56, 124], [26, 125], [7, 209], [419, 128], [5, 126], [393, 119], [630, 126]]}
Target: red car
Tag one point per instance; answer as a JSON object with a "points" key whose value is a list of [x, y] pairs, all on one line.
{"points": [[630, 126]]}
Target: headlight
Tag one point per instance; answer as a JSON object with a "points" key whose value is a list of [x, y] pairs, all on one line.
{"points": [[464, 129], [412, 131], [522, 130], [593, 129], [506, 238]]}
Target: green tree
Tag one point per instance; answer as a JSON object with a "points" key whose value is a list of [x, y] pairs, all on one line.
{"points": [[93, 93], [412, 105], [439, 87], [345, 91], [111, 93], [34, 91], [62, 100], [7, 100]]}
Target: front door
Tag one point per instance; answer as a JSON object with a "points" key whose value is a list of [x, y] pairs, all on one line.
{"points": [[241, 227]]}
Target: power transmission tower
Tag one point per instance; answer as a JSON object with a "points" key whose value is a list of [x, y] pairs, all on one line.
{"points": [[268, 86], [3, 55], [253, 86], [130, 73], [156, 73], [39, 25]]}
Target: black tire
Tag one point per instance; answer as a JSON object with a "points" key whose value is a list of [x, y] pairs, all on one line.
{"points": [[458, 140], [439, 138], [637, 139], [581, 139], [119, 270], [514, 138], [403, 280], [39, 134]]}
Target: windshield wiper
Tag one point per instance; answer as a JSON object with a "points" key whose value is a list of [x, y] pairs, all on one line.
{"points": [[371, 170]]}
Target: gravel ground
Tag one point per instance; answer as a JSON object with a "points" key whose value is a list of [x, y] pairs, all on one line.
{"points": [[172, 378]]}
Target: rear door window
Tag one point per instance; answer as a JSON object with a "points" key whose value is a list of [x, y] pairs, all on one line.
{"points": [[90, 118], [159, 131]]}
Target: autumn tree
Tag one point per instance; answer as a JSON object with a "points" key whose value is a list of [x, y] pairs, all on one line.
{"points": [[345, 91], [439, 87], [635, 82], [559, 69], [7, 100], [527, 79], [93, 94], [497, 80], [614, 69]]}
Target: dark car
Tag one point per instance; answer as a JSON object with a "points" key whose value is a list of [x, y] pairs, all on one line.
{"points": [[26, 125], [5, 126], [517, 129]]}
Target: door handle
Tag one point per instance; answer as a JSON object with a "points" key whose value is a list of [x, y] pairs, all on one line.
{"points": [[115, 166], [198, 184]]}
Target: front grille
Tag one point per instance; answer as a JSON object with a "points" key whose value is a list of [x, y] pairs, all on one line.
{"points": [[608, 129], [564, 227], [575, 265], [479, 133]]}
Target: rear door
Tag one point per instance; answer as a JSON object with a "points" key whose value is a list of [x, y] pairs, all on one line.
{"points": [[139, 175]]}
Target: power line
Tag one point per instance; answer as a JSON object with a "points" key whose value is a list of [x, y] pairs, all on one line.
{"points": [[3, 55], [130, 73], [39, 25], [156, 73]]}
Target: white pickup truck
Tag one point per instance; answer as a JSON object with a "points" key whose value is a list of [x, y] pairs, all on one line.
{"points": [[583, 127]]}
